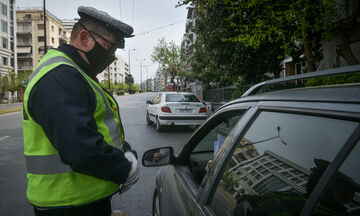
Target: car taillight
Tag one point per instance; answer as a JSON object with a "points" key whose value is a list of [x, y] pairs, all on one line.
{"points": [[202, 110], [166, 109]]}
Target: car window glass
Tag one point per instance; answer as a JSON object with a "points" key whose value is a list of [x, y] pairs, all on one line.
{"points": [[342, 196], [154, 99], [157, 99], [210, 144], [181, 98], [269, 168]]}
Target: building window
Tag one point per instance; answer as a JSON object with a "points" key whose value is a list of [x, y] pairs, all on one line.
{"points": [[27, 16], [3, 9], [52, 28], [41, 50], [11, 15], [5, 61], [52, 40], [41, 39], [4, 42], [12, 62], [4, 26], [40, 26]]}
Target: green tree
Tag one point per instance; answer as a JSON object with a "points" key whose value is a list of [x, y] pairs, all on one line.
{"points": [[297, 25], [22, 79], [4, 85], [9, 83], [105, 85], [219, 62], [129, 80], [167, 55]]}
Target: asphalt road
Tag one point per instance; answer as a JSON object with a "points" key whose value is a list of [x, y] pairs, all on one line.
{"points": [[136, 201]]}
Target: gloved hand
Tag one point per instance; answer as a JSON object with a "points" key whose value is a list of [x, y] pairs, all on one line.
{"points": [[127, 147], [133, 174]]}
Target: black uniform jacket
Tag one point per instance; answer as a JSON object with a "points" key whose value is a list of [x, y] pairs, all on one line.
{"points": [[62, 103]]}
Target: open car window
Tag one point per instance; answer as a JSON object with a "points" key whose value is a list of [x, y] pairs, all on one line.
{"points": [[270, 167], [205, 150]]}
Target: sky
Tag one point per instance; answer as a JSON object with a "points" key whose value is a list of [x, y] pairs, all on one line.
{"points": [[151, 20]]}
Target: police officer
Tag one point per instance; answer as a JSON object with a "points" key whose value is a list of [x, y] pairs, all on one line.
{"points": [[74, 145]]}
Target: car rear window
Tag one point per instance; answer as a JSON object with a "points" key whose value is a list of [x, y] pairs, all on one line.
{"points": [[181, 98], [276, 164]]}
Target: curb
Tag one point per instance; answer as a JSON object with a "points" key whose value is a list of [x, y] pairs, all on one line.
{"points": [[10, 110]]}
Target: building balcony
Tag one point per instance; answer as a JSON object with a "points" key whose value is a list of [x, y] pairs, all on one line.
{"points": [[24, 56], [63, 37], [23, 31], [25, 67], [24, 43], [23, 51]]}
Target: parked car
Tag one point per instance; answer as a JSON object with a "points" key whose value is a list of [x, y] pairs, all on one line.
{"points": [[285, 152], [175, 108]]}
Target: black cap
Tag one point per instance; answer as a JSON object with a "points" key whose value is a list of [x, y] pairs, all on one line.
{"points": [[117, 27]]}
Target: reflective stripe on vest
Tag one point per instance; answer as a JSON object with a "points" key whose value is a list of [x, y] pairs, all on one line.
{"points": [[46, 164], [47, 63], [110, 122]]}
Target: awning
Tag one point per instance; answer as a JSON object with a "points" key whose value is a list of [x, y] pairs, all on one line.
{"points": [[23, 50]]}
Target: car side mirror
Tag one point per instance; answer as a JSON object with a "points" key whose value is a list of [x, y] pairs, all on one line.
{"points": [[158, 157], [149, 102]]}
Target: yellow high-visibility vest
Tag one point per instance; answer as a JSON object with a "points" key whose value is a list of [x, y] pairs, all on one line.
{"points": [[52, 183]]}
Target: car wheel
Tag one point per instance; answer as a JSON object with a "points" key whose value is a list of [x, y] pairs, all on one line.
{"points": [[158, 125], [148, 121], [156, 204]]}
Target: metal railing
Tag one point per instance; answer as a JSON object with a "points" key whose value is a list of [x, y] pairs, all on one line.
{"points": [[24, 43], [261, 87]]}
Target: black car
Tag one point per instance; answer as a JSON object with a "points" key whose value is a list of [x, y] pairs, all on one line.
{"points": [[284, 152]]}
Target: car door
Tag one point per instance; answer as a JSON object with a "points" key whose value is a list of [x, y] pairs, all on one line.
{"points": [[276, 163], [179, 185], [152, 110]]}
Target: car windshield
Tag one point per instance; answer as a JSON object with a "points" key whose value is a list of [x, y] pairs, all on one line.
{"points": [[181, 98]]}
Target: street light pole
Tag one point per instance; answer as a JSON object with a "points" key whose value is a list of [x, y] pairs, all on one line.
{"points": [[108, 69], [141, 72], [147, 75], [45, 47], [129, 58]]}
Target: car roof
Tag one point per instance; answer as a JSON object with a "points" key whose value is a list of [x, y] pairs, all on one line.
{"points": [[178, 93], [347, 93]]}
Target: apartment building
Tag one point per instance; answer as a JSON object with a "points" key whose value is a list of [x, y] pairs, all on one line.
{"points": [[30, 35], [69, 23], [159, 82], [188, 43], [116, 72], [7, 36]]}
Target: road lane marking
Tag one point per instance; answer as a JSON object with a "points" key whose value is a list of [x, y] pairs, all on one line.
{"points": [[3, 138]]}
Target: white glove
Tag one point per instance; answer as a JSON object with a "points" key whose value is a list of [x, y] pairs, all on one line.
{"points": [[133, 174]]}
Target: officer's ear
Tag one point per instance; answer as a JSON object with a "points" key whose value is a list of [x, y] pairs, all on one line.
{"points": [[85, 40]]}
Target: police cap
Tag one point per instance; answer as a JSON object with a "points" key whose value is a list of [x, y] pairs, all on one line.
{"points": [[120, 29]]}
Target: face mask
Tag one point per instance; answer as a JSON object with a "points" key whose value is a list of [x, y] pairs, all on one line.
{"points": [[99, 58]]}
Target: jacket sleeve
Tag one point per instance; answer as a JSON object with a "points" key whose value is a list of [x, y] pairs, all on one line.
{"points": [[63, 104]]}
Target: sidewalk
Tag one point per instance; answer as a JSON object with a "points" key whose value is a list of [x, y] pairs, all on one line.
{"points": [[6, 108]]}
